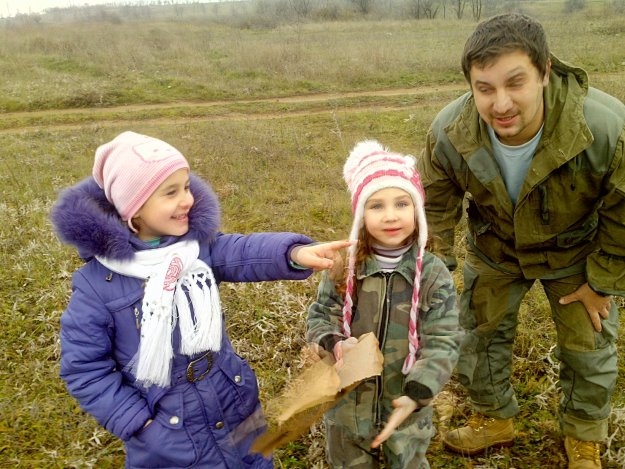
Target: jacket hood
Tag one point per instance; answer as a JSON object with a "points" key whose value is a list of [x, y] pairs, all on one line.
{"points": [[82, 217], [564, 100], [562, 68]]}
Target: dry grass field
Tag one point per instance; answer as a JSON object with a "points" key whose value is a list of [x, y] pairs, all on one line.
{"points": [[268, 116]]}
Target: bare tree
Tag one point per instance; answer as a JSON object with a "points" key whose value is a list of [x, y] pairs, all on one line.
{"points": [[458, 6], [430, 8], [302, 8], [423, 8], [476, 9], [414, 8], [363, 6]]}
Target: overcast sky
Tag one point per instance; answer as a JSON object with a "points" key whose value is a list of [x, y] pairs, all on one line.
{"points": [[12, 7]]}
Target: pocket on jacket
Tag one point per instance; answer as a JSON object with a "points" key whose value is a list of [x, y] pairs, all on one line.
{"points": [[237, 385], [411, 437], [477, 224], [580, 234], [126, 314], [418, 426], [164, 442]]}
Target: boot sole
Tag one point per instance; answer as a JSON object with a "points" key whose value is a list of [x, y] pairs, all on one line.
{"points": [[475, 452]]}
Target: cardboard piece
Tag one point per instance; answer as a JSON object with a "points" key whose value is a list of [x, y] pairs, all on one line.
{"points": [[316, 390]]}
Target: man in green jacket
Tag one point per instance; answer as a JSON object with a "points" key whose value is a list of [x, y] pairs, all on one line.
{"points": [[538, 157]]}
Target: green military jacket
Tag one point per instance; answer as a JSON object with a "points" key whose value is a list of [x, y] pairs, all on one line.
{"points": [[570, 213], [382, 305]]}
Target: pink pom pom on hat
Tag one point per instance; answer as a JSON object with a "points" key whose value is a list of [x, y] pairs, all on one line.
{"points": [[369, 168], [130, 168]]}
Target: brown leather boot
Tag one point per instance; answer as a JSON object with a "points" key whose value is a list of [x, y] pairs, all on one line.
{"points": [[480, 433], [582, 454]]}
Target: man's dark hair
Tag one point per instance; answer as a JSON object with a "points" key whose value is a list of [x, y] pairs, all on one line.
{"points": [[503, 34]]}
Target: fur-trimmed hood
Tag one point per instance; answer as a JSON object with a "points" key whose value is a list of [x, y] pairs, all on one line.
{"points": [[84, 218]]}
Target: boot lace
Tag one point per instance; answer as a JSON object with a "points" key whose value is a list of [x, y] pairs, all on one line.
{"points": [[477, 421], [588, 450]]}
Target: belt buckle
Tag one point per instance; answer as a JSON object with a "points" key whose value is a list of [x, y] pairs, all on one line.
{"points": [[191, 378]]}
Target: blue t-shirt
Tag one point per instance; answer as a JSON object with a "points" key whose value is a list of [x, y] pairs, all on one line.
{"points": [[514, 161]]}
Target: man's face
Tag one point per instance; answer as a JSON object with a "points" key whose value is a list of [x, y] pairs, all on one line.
{"points": [[509, 96]]}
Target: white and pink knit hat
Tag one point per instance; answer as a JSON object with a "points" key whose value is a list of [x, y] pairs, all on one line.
{"points": [[369, 168], [130, 167]]}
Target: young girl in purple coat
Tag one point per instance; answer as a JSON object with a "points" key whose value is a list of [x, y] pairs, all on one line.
{"points": [[143, 345]]}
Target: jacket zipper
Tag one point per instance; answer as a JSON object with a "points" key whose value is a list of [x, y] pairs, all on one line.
{"points": [[382, 336]]}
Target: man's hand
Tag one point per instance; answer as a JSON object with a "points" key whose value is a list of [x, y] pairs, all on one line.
{"points": [[318, 256], [598, 306], [404, 406]]}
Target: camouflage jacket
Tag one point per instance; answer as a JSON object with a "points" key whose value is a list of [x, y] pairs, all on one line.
{"points": [[382, 305], [570, 214]]}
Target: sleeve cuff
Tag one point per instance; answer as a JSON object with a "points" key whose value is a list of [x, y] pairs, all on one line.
{"points": [[598, 292], [296, 266], [329, 341], [292, 264], [417, 391]]}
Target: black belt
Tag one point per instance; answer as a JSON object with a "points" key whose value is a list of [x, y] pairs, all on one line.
{"points": [[194, 367]]}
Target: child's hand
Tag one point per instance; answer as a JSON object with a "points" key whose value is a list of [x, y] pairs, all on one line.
{"points": [[404, 406], [341, 348], [318, 256]]}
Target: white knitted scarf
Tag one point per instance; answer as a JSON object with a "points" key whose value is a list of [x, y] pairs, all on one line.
{"points": [[179, 288]]}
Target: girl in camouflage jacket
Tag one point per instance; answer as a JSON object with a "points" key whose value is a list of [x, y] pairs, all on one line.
{"points": [[402, 293]]}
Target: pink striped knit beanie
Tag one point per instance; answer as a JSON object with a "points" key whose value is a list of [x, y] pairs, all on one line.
{"points": [[369, 168], [130, 168]]}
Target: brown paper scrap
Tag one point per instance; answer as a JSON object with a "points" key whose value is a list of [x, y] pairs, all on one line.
{"points": [[315, 391]]}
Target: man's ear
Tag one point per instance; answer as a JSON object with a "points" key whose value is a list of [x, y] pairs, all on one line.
{"points": [[547, 72]]}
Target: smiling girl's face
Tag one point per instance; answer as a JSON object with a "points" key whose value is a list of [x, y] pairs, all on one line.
{"points": [[166, 212], [389, 217]]}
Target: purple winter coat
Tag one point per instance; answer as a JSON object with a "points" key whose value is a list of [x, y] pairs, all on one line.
{"points": [[195, 423]]}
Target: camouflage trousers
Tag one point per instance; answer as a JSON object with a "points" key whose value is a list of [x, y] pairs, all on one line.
{"points": [[405, 449], [489, 308]]}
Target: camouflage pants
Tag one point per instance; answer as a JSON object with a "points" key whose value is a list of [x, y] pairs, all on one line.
{"points": [[489, 309], [405, 449]]}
